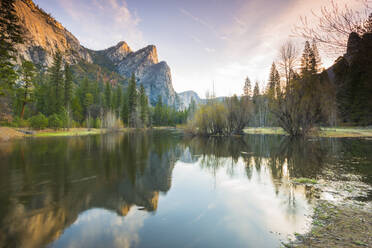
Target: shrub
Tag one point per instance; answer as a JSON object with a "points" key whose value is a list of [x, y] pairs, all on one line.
{"points": [[55, 122], [38, 121], [97, 123], [17, 122]]}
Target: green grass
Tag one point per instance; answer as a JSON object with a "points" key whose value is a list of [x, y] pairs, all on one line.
{"points": [[264, 130], [345, 132], [336, 132], [66, 133], [304, 180]]}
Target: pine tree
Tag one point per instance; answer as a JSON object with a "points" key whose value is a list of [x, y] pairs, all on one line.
{"points": [[56, 78], [108, 97], [67, 87], [305, 59], [77, 110], [318, 60], [88, 102], [132, 101], [247, 87], [274, 81], [309, 60], [125, 109], [81, 92], [118, 99], [159, 113], [10, 35], [144, 104], [27, 75], [256, 90]]}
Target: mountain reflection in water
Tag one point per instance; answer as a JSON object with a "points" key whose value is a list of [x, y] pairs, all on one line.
{"points": [[159, 189]]}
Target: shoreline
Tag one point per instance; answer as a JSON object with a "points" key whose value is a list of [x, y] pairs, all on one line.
{"points": [[325, 132], [342, 215], [10, 133]]}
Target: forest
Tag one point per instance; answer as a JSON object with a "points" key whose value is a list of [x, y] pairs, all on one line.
{"points": [[300, 95], [67, 96]]}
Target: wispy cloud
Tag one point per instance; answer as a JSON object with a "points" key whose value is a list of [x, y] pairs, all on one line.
{"points": [[204, 23], [210, 50], [102, 23]]}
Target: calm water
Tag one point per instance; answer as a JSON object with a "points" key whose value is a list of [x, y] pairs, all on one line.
{"points": [[159, 189]]}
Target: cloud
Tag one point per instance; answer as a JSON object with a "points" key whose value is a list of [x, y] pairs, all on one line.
{"points": [[102, 23], [210, 50], [204, 23]]}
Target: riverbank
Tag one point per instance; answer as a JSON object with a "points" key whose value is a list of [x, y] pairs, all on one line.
{"points": [[342, 215], [336, 132], [337, 226], [9, 133]]}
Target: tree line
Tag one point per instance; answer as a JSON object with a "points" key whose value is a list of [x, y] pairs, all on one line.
{"points": [[298, 97], [56, 98]]}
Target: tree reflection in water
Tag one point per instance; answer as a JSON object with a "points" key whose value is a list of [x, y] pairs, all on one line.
{"points": [[46, 183]]}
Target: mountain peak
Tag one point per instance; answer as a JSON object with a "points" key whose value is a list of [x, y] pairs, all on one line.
{"points": [[118, 52], [123, 46]]}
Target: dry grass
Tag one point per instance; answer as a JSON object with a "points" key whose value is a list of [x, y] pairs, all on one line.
{"points": [[337, 132], [7, 133]]}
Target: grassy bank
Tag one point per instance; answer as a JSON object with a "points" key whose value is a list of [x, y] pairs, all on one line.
{"points": [[9, 133], [337, 226], [71, 132], [336, 132]]}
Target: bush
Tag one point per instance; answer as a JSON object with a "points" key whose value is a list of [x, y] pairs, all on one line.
{"points": [[55, 122], [17, 122], [97, 123], [221, 118], [38, 121], [210, 119]]}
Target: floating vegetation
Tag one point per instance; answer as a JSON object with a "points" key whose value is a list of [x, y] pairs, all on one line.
{"points": [[304, 180]]}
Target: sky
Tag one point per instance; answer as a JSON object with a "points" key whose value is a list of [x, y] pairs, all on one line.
{"points": [[206, 43]]}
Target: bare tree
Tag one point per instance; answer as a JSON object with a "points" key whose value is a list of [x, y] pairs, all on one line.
{"points": [[288, 58], [333, 25]]}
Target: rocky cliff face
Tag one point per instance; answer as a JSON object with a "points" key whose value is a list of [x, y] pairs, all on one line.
{"points": [[352, 76], [186, 97], [44, 36]]}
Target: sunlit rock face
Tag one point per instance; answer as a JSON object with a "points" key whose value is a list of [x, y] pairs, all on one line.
{"points": [[44, 36], [118, 52]]}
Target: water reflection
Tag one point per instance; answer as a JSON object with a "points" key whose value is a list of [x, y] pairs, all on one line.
{"points": [[158, 189]]}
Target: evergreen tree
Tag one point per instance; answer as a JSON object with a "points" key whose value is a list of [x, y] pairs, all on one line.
{"points": [[88, 102], [274, 81], [309, 59], [10, 35], [158, 112], [27, 75], [247, 87], [132, 101], [305, 60], [77, 110], [118, 99], [42, 94], [318, 60], [108, 97], [67, 87], [144, 104], [256, 90], [125, 109], [57, 83]]}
